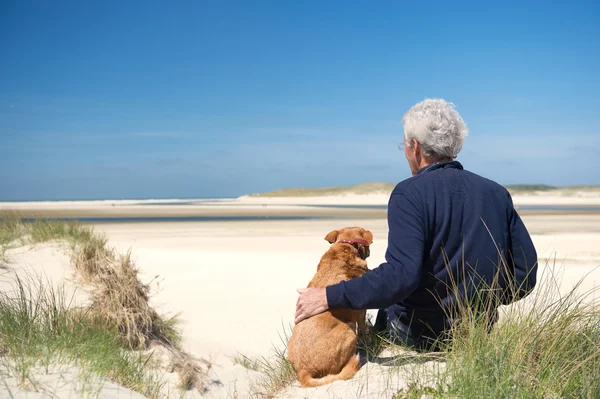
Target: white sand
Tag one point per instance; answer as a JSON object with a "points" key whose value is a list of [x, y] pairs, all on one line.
{"points": [[63, 382], [43, 264], [234, 285], [582, 198]]}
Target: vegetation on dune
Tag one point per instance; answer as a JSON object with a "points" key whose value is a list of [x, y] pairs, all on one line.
{"points": [[386, 188], [119, 297], [110, 336], [277, 371], [365, 188], [529, 187], [544, 346], [39, 329]]}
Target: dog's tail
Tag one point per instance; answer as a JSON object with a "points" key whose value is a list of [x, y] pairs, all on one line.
{"points": [[347, 372]]}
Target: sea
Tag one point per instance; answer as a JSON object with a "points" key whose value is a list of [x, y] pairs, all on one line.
{"points": [[232, 218]]}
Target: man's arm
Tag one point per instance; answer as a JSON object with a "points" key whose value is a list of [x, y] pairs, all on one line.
{"points": [[522, 258], [400, 275]]}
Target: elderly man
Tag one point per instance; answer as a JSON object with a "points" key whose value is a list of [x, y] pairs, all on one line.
{"points": [[454, 238]]}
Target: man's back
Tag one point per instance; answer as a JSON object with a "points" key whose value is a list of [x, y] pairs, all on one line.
{"points": [[469, 224], [447, 227]]}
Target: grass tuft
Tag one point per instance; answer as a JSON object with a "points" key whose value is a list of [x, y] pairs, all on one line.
{"points": [[10, 231], [119, 297], [120, 302], [246, 362], [277, 371], [37, 328], [192, 373], [545, 346], [50, 230], [548, 348]]}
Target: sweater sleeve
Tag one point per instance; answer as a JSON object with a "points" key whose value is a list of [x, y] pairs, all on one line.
{"points": [[400, 275], [523, 258]]}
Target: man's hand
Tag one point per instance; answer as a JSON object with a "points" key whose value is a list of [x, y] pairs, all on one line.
{"points": [[311, 301]]}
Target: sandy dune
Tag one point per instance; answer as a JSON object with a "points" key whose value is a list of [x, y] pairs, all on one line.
{"points": [[234, 284]]}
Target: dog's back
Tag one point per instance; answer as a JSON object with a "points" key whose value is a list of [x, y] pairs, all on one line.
{"points": [[322, 348]]}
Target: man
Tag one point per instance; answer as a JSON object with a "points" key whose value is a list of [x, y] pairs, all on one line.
{"points": [[454, 239]]}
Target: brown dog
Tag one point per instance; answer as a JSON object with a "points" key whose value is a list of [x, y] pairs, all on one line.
{"points": [[322, 348]]}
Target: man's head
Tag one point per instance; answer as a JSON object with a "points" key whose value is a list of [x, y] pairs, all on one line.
{"points": [[433, 131]]}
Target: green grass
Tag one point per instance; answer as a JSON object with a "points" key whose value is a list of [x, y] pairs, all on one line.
{"points": [[14, 232], [10, 231], [544, 346], [551, 350], [50, 230], [247, 362], [38, 329], [37, 326], [547, 346], [277, 371]]}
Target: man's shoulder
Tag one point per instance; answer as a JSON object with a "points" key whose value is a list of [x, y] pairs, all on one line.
{"points": [[406, 185], [487, 183], [423, 182]]}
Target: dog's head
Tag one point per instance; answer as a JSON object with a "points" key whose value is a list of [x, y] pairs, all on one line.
{"points": [[356, 236]]}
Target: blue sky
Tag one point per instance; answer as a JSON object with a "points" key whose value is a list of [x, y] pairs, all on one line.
{"points": [[203, 99]]}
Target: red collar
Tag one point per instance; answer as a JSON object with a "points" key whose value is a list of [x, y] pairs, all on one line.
{"points": [[355, 241]]}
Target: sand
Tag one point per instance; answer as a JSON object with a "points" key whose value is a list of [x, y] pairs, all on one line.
{"points": [[63, 382], [233, 283], [354, 206], [349, 205]]}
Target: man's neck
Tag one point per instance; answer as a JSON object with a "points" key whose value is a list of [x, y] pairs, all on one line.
{"points": [[425, 162]]}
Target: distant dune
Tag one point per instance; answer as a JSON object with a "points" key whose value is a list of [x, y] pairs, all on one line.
{"points": [[386, 188], [359, 189]]}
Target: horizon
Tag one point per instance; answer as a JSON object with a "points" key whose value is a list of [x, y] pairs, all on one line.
{"points": [[137, 101]]}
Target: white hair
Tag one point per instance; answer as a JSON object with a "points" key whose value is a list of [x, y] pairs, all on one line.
{"points": [[437, 127]]}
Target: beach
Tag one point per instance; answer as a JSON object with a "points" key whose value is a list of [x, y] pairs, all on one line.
{"points": [[233, 282]]}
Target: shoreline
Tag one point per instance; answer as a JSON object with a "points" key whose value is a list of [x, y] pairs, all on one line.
{"points": [[258, 208]]}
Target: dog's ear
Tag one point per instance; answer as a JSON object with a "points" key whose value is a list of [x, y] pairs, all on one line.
{"points": [[332, 236], [368, 236]]}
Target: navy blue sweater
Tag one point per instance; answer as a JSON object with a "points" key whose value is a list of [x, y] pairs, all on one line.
{"points": [[441, 224]]}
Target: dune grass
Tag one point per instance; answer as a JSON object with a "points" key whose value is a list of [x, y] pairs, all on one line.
{"points": [[10, 231], [364, 188], [247, 362], [15, 232], [544, 346], [529, 187], [276, 371], [38, 329], [106, 337], [547, 347], [119, 297]]}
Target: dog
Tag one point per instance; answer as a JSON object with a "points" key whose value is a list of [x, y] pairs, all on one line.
{"points": [[322, 348]]}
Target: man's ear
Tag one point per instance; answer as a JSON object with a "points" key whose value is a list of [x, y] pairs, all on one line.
{"points": [[367, 236], [417, 149], [332, 236]]}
